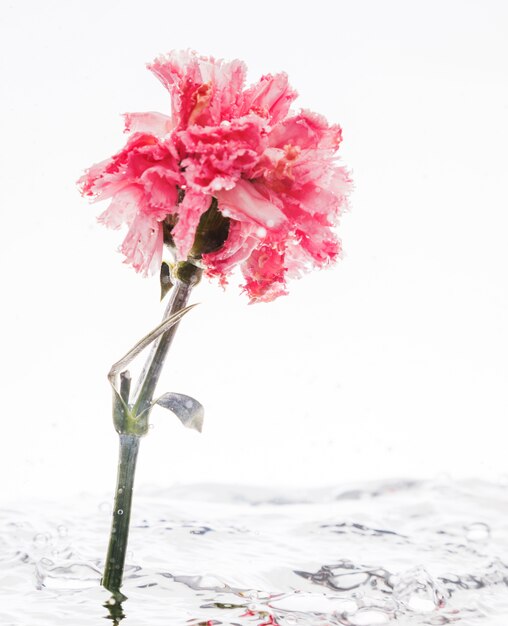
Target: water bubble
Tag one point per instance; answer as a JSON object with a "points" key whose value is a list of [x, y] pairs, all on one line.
{"points": [[345, 582], [369, 617], [418, 591], [41, 539], [63, 531], [120, 511], [478, 532]]}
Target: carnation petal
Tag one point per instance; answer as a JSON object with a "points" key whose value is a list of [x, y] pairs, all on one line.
{"points": [[271, 97], [190, 211], [160, 191], [245, 202], [179, 72], [264, 272], [150, 122], [307, 130], [241, 241], [203, 90], [142, 246], [217, 156], [122, 208]]}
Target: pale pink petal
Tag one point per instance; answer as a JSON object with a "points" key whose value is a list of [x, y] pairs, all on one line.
{"points": [[150, 122], [142, 246], [316, 237], [122, 209], [203, 90], [95, 184], [327, 197], [264, 272], [307, 130], [312, 167], [190, 211], [227, 80], [246, 202], [271, 97], [160, 191], [179, 72]]}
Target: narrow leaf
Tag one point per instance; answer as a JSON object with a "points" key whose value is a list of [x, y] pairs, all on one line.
{"points": [[146, 341]]}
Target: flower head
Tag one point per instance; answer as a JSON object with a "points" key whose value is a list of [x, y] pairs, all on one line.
{"points": [[231, 178]]}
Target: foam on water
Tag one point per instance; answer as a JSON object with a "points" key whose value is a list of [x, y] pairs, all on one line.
{"points": [[403, 552]]}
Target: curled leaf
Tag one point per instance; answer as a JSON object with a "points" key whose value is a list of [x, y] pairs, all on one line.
{"points": [[188, 410]]}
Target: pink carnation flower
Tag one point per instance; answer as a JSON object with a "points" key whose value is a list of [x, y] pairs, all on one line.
{"points": [[270, 172]]}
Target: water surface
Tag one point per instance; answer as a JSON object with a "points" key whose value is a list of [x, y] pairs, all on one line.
{"points": [[401, 552]]}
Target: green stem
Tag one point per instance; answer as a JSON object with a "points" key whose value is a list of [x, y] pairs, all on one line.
{"points": [[115, 560], [187, 275], [153, 367]]}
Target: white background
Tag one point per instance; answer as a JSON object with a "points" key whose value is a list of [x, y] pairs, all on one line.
{"points": [[393, 364]]}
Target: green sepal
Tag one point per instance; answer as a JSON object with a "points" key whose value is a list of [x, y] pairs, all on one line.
{"points": [[165, 279]]}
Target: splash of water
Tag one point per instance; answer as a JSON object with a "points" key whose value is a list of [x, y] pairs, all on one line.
{"points": [[410, 553]]}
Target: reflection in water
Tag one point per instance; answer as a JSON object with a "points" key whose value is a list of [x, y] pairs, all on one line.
{"points": [[409, 553], [115, 609]]}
